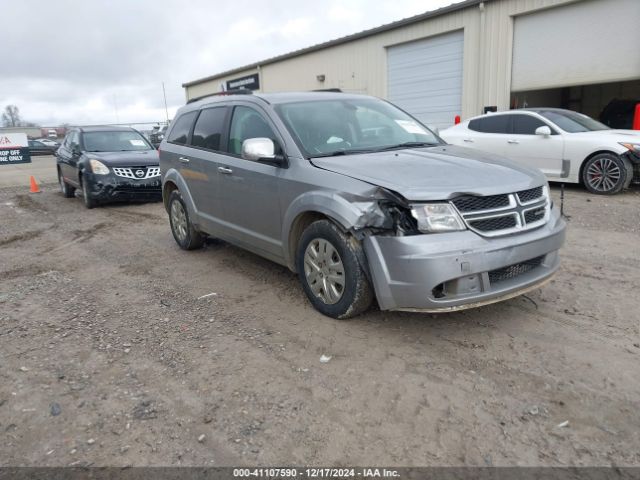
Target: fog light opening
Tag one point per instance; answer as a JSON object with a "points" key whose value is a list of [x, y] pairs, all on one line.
{"points": [[438, 291]]}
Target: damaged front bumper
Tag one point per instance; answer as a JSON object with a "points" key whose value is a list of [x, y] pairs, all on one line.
{"points": [[633, 156], [112, 188], [458, 270]]}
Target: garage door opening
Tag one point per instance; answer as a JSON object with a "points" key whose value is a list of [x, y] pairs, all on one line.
{"points": [[588, 99]]}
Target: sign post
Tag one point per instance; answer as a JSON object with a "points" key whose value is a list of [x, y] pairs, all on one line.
{"points": [[14, 148]]}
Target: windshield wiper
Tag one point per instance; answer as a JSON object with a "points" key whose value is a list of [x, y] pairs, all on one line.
{"points": [[341, 152], [408, 145]]}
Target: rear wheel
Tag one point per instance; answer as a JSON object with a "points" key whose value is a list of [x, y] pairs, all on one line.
{"points": [[185, 235], [604, 174], [328, 263], [67, 190]]}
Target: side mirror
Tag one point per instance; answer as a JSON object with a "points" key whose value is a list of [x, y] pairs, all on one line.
{"points": [[75, 150], [544, 131], [261, 150]]}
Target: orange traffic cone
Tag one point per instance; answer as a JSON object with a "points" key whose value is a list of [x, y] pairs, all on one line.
{"points": [[34, 185]]}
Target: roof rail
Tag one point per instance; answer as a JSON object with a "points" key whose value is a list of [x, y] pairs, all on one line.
{"points": [[239, 91], [334, 90]]}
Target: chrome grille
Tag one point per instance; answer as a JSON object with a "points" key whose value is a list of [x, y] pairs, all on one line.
{"points": [[137, 173], [512, 271], [505, 214]]}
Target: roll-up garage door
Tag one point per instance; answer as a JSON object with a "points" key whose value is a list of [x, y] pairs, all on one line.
{"points": [[592, 41], [425, 78]]}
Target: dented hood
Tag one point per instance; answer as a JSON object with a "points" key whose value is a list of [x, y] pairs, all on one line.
{"points": [[435, 173]]}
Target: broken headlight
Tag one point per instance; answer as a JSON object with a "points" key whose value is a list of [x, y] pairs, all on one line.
{"points": [[437, 217]]}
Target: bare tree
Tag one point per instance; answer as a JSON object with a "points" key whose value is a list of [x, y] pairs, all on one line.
{"points": [[11, 116]]}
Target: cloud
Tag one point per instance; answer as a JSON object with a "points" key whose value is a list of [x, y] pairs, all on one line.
{"points": [[77, 62]]}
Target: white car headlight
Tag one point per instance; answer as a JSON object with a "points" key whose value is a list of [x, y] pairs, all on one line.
{"points": [[98, 167], [437, 217], [634, 147]]}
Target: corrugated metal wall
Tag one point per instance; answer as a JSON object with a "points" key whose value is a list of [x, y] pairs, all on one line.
{"points": [[361, 65]]}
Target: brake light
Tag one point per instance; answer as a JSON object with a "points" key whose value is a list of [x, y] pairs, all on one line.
{"points": [[456, 120], [636, 118]]}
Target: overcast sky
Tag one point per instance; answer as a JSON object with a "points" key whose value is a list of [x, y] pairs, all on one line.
{"points": [[104, 61]]}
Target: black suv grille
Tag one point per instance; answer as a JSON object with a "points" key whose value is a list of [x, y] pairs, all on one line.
{"points": [[493, 224], [529, 195], [470, 203], [512, 271]]}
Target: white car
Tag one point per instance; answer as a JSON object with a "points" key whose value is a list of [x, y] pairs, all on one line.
{"points": [[48, 142], [567, 146]]}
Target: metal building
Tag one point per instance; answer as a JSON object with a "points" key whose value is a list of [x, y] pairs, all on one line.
{"points": [[467, 57]]}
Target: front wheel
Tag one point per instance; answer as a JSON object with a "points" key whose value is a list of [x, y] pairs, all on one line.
{"points": [[67, 190], [604, 174], [185, 235], [328, 262], [89, 202]]}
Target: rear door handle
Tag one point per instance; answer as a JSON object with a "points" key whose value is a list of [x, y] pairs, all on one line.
{"points": [[183, 160], [513, 141], [225, 170], [468, 140]]}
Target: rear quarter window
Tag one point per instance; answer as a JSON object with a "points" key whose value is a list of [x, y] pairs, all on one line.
{"points": [[208, 130], [490, 124], [181, 128]]}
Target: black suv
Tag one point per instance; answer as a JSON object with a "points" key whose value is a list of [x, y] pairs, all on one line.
{"points": [[108, 164]]}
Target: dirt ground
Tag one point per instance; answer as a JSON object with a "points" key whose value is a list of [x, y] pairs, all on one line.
{"points": [[117, 348]]}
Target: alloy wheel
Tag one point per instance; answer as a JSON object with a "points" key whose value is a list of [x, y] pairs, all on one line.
{"points": [[179, 220], [603, 174], [324, 271]]}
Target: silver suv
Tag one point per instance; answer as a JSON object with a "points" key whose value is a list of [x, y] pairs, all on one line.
{"points": [[360, 199]]}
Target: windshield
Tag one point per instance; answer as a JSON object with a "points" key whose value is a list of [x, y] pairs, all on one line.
{"points": [[573, 122], [114, 141], [333, 127]]}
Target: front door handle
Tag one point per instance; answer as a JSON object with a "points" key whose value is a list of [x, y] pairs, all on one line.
{"points": [[225, 170], [183, 160], [468, 140], [513, 141]]}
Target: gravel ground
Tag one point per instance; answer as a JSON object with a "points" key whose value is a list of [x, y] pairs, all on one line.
{"points": [[117, 348]]}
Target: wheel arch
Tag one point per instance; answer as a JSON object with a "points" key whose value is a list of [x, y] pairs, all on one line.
{"points": [[347, 212], [172, 180]]}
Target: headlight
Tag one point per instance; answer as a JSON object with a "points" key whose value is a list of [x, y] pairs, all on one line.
{"points": [[437, 217], [98, 167], [634, 147]]}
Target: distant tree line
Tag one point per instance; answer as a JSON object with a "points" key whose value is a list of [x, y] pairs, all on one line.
{"points": [[11, 118]]}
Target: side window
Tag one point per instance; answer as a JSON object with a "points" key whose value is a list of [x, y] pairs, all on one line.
{"points": [[181, 127], [526, 124], [490, 124], [248, 123], [74, 139], [208, 129]]}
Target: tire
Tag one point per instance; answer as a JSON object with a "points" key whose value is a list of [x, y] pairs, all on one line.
{"points": [[604, 174], [88, 201], [67, 190], [187, 237], [329, 267]]}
